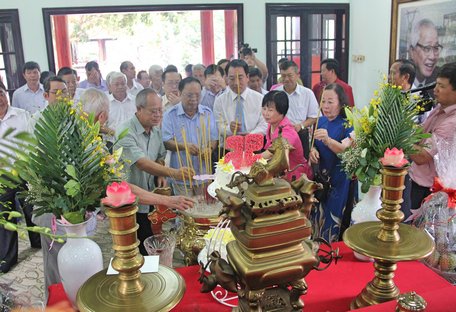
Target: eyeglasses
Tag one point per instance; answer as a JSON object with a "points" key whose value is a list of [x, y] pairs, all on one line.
{"points": [[119, 85], [64, 92], [289, 76], [192, 95], [154, 111], [427, 49], [172, 83]]}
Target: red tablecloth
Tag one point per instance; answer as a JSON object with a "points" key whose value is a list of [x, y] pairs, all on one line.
{"points": [[329, 290]]}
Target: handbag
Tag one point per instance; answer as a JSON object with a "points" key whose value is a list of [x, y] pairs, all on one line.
{"points": [[322, 177]]}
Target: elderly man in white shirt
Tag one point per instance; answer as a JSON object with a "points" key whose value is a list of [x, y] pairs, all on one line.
{"points": [[238, 109], [30, 96], [303, 109], [122, 105], [129, 70], [19, 120]]}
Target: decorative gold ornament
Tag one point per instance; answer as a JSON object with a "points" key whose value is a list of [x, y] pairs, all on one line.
{"points": [[129, 290], [191, 236], [271, 251], [387, 241], [410, 302]]}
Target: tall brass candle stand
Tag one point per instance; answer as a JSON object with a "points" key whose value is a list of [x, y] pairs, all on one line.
{"points": [[387, 241], [129, 290]]}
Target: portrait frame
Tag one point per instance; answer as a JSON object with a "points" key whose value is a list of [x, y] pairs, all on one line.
{"points": [[446, 20]]}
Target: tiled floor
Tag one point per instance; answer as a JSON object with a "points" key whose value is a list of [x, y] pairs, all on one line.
{"points": [[25, 281]]}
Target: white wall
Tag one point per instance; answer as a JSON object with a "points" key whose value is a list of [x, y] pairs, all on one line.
{"points": [[370, 23], [369, 32]]}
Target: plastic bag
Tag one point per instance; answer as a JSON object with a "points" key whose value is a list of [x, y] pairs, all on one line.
{"points": [[438, 212]]}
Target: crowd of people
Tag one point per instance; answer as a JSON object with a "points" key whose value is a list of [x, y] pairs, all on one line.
{"points": [[189, 117]]}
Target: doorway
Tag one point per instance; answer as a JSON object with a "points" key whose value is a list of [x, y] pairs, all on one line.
{"points": [[306, 34]]}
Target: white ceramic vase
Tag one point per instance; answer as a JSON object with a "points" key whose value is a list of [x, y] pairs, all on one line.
{"points": [[78, 259], [365, 210]]}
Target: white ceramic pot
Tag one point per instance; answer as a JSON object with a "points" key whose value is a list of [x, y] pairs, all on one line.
{"points": [[365, 210], [78, 259]]}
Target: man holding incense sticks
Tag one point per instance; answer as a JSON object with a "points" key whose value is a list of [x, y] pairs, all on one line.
{"points": [[144, 150], [190, 133]]}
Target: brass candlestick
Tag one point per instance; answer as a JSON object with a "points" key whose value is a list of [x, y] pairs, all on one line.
{"points": [[387, 241], [129, 290]]}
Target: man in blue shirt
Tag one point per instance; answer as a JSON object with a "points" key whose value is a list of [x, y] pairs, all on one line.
{"points": [[193, 128]]}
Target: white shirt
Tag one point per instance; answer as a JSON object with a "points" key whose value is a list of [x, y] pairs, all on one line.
{"points": [[77, 95], [120, 112], [136, 88], [225, 111], [303, 104], [28, 100], [15, 118]]}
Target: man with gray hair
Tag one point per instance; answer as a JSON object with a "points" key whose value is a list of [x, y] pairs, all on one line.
{"points": [[129, 70], [198, 72], [121, 104], [424, 51], [144, 149], [156, 82], [96, 102]]}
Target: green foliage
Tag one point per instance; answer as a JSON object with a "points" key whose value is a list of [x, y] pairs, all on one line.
{"points": [[66, 170], [5, 222], [387, 122], [112, 25]]}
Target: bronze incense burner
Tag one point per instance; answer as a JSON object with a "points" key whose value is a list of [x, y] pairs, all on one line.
{"points": [[272, 252]]}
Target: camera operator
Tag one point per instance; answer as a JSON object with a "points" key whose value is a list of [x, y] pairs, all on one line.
{"points": [[247, 54]]}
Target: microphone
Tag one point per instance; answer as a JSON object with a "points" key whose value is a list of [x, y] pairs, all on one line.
{"points": [[427, 87], [426, 100]]}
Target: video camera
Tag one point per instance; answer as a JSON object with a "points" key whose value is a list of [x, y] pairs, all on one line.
{"points": [[426, 97], [245, 49]]}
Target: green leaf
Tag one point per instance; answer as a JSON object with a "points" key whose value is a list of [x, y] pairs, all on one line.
{"points": [[74, 217], [72, 188], [365, 187], [10, 226], [71, 171], [14, 214]]}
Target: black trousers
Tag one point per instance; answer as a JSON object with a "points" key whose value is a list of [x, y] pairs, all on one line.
{"points": [[413, 196], [9, 239], [27, 210], [352, 199], [144, 230], [305, 138]]}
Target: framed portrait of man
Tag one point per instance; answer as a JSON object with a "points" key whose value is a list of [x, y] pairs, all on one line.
{"points": [[424, 32]]}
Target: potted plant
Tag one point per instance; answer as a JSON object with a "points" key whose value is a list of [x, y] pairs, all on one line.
{"points": [[387, 122], [66, 171], [68, 168]]}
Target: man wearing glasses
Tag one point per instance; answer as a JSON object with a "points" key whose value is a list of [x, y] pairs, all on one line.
{"points": [[424, 51], [54, 88], [144, 149], [189, 128]]}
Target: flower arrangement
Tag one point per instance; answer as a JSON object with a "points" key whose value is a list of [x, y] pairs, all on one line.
{"points": [[387, 122], [69, 166]]}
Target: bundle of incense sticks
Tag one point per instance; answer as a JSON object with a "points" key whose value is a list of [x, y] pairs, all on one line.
{"points": [[204, 154], [238, 99]]}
